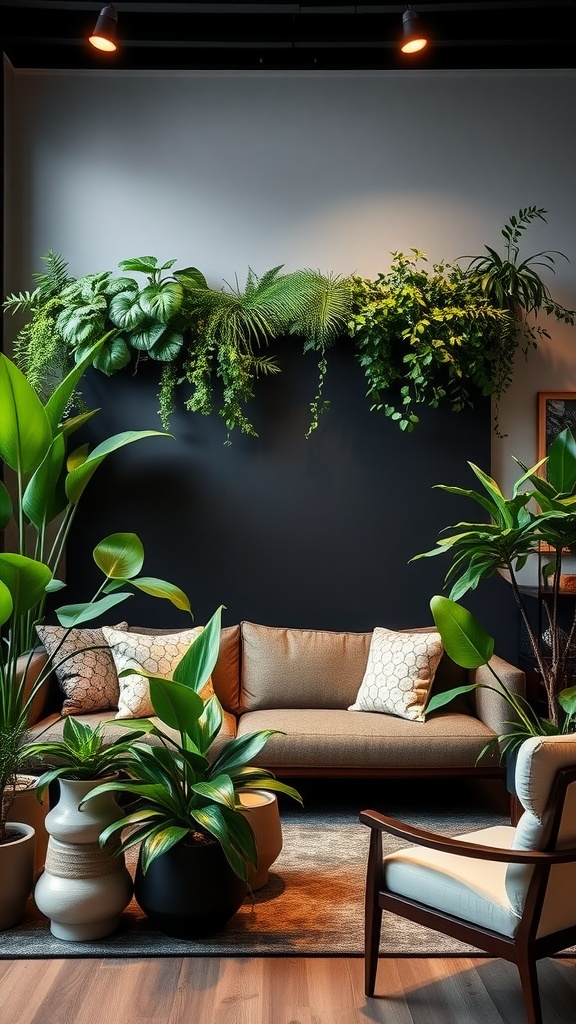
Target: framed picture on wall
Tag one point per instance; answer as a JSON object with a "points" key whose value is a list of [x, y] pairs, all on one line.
{"points": [[556, 411]]}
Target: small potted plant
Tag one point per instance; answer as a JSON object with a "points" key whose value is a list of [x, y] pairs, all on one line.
{"points": [[84, 888], [195, 839]]}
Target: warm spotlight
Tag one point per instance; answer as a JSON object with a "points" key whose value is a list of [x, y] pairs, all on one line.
{"points": [[104, 34], [413, 36]]}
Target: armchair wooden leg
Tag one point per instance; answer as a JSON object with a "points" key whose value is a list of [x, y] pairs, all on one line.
{"points": [[372, 913], [530, 989]]}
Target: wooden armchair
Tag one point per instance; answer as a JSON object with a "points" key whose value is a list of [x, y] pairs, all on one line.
{"points": [[510, 891]]}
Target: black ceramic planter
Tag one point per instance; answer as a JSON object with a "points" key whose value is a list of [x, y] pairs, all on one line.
{"points": [[190, 891]]}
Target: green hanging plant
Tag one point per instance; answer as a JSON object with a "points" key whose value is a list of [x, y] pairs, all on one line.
{"points": [[428, 338]]}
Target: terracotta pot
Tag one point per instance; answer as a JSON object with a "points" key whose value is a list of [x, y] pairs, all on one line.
{"points": [[16, 874], [263, 816], [190, 891], [27, 808]]}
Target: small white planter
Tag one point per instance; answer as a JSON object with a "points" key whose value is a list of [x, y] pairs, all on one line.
{"points": [[16, 875], [84, 888]]}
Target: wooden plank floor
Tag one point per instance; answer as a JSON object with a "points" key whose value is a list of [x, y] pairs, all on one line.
{"points": [[277, 991]]}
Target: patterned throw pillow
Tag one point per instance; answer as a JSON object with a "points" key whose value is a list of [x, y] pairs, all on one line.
{"points": [[87, 678], [399, 673], [158, 653]]}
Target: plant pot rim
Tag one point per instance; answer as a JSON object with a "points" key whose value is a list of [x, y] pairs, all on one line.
{"points": [[27, 833]]}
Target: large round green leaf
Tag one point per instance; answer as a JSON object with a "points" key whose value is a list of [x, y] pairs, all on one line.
{"points": [[25, 433], [26, 580], [6, 603], [146, 335], [464, 638], [162, 301], [167, 347], [125, 310], [192, 277], [114, 356], [120, 556]]}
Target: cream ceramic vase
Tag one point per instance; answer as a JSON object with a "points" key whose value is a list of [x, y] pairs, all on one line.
{"points": [[16, 874], [84, 888], [263, 815]]}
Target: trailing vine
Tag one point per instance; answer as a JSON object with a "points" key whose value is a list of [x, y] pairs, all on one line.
{"points": [[439, 335]]}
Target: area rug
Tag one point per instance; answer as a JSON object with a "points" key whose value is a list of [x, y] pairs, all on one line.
{"points": [[312, 904]]}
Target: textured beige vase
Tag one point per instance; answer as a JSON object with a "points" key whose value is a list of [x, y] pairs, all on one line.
{"points": [[16, 875], [264, 817]]}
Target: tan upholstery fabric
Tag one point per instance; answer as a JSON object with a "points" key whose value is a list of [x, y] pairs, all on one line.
{"points": [[399, 674], [226, 674], [300, 668], [87, 678], [490, 708], [328, 738]]}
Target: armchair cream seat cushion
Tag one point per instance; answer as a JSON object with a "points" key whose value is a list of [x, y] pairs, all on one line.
{"points": [[492, 894]]}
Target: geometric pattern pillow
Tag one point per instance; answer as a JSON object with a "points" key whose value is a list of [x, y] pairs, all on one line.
{"points": [[87, 678], [399, 673], [157, 653]]}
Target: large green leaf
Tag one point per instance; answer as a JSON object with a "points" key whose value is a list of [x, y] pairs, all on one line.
{"points": [[125, 310], [120, 555], [176, 705], [25, 433], [162, 301], [167, 347], [44, 497], [113, 357], [78, 479], [192, 277], [219, 789], [561, 465], [147, 334], [234, 834], [144, 264], [465, 639], [26, 580], [240, 751], [59, 399], [161, 588], [6, 603], [75, 614], [439, 700], [195, 668]]}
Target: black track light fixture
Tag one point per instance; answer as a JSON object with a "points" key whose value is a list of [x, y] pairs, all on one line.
{"points": [[413, 38], [104, 34]]}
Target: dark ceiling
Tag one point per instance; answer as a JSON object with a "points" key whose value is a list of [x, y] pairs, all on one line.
{"points": [[322, 34]]}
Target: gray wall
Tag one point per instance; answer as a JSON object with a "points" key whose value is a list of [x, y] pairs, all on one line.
{"points": [[328, 170]]}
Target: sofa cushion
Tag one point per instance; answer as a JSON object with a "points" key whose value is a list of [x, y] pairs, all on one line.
{"points": [[327, 739], [226, 674], [399, 674], [156, 653], [300, 668], [87, 678]]}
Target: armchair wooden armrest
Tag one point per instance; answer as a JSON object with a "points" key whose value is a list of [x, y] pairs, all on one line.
{"points": [[462, 848]]}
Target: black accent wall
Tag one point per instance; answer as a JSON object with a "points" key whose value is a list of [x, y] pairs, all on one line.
{"points": [[282, 530]]}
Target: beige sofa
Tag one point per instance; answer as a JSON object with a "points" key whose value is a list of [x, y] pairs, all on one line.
{"points": [[302, 682]]}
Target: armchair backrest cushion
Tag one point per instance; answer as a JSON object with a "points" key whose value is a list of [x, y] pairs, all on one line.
{"points": [[539, 759]]}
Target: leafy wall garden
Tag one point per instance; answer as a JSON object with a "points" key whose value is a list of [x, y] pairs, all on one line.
{"points": [[440, 334]]}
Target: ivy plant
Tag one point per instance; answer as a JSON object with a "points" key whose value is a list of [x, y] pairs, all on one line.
{"points": [[428, 337]]}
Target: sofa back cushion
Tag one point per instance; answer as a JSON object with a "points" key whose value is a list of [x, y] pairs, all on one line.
{"points": [[226, 674], [300, 668]]}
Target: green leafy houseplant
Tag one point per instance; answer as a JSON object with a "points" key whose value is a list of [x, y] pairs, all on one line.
{"points": [[469, 645], [48, 485], [543, 514], [182, 795], [430, 337], [82, 753]]}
